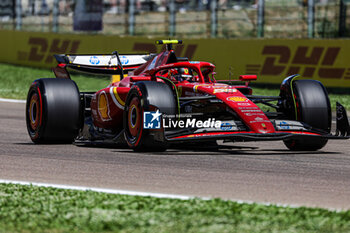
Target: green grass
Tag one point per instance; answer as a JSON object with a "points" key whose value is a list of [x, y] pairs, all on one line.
{"points": [[341, 98], [15, 82], [38, 209]]}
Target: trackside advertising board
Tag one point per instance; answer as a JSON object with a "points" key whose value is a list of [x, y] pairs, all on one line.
{"points": [[271, 59]]}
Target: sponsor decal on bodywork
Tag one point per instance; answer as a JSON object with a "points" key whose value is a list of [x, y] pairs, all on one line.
{"points": [[243, 104], [224, 90], [94, 60], [237, 99], [103, 107], [289, 125]]}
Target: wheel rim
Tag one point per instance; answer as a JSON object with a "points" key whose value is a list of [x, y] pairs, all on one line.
{"points": [[34, 112], [134, 117]]}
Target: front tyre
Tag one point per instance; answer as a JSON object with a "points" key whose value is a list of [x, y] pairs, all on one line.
{"points": [[53, 111], [312, 106], [147, 97]]}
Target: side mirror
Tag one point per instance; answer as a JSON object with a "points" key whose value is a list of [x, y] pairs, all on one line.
{"points": [[247, 77]]}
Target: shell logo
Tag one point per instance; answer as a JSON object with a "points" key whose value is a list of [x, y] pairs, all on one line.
{"points": [[237, 99], [103, 108]]}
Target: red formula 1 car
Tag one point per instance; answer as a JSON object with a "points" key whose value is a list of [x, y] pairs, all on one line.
{"points": [[166, 99]]}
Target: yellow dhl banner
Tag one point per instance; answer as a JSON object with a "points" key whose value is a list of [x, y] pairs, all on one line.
{"points": [[271, 59]]}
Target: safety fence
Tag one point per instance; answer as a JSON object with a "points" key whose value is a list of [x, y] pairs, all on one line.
{"points": [[181, 18]]}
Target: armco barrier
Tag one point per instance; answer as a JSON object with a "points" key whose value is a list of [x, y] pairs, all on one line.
{"points": [[271, 59]]}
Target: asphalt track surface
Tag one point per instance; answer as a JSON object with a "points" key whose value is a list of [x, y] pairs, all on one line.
{"points": [[255, 171]]}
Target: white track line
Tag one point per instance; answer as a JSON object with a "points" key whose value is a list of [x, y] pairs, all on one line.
{"points": [[149, 194], [101, 190], [12, 101]]}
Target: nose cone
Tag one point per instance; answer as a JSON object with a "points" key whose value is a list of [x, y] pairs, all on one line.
{"points": [[249, 113]]}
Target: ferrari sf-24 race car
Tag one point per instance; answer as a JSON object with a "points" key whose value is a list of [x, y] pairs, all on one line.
{"points": [[166, 99]]}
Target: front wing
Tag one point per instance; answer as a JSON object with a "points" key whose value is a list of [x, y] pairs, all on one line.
{"points": [[251, 136], [288, 130]]}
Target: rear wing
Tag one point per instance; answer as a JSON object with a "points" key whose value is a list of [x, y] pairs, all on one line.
{"points": [[108, 64]]}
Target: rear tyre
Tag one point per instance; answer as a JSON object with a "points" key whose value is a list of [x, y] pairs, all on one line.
{"points": [[144, 97], [53, 111], [312, 107]]}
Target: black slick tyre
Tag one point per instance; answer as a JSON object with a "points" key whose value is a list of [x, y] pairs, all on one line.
{"points": [[313, 108], [53, 111], [144, 97]]}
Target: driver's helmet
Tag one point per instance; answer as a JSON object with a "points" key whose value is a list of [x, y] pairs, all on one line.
{"points": [[182, 74]]}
